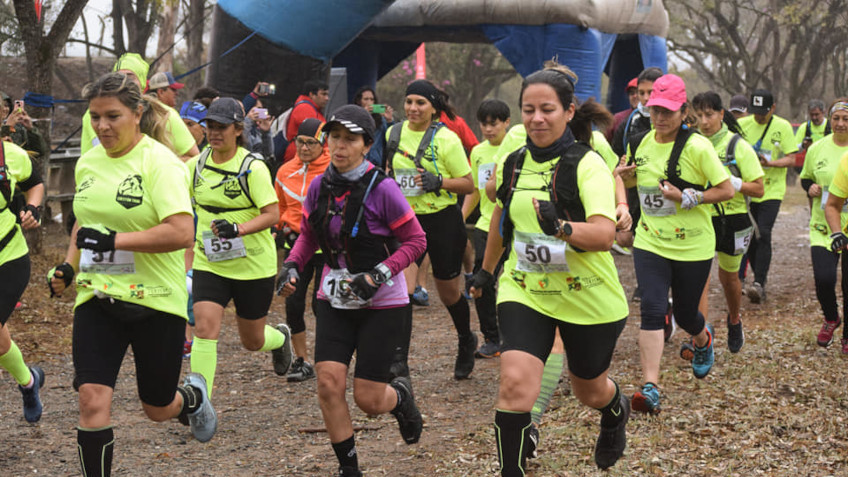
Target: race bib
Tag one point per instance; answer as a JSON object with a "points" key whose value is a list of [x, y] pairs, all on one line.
{"points": [[484, 173], [406, 180], [654, 204], [539, 253], [766, 154], [219, 249], [336, 287], [116, 262], [741, 240], [826, 194]]}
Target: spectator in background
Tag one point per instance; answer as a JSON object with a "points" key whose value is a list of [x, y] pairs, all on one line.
{"points": [[206, 95], [738, 106], [193, 114], [313, 97], [257, 127], [621, 116], [165, 87], [22, 131], [366, 97]]}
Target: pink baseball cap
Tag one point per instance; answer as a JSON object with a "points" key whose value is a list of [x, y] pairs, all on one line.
{"points": [[669, 92]]}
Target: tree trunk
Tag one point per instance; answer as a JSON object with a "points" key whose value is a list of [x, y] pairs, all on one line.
{"points": [[167, 31], [194, 42], [118, 28]]}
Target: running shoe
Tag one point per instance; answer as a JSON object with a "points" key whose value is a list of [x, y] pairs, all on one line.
{"points": [[826, 333], [349, 472], [670, 326], [531, 443], [283, 356], [420, 296], [32, 401], [687, 350], [704, 357], [187, 349], [647, 399], [844, 345], [490, 349], [465, 357], [735, 336], [756, 293], [203, 421], [300, 371], [613, 440], [406, 412]]}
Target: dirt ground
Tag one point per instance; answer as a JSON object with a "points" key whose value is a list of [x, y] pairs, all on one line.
{"points": [[778, 408]]}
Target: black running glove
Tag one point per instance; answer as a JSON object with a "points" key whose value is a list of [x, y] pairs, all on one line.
{"points": [[360, 287], [481, 280], [838, 241], [67, 276], [431, 182], [36, 214], [288, 274], [95, 240], [548, 219], [226, 229]]}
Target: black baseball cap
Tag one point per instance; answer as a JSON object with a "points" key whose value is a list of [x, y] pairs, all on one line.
{"points": [[356, 119], [225, 111], [761, 102]]}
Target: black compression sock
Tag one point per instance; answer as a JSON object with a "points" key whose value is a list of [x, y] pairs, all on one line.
{"points": [[461, 315], [612, 413], [95, 451], [346, 453], [192, 399], [511, 429]]}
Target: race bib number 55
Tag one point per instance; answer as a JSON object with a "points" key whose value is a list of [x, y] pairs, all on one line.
{"points": [[218, 249]]}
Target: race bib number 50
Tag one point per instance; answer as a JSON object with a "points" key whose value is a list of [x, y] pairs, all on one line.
{"points": [[539, 253]]}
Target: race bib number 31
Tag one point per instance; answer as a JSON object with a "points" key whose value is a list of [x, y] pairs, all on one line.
{"points": [[406, 180], [539, 253], [116, 262], [218, 249]]}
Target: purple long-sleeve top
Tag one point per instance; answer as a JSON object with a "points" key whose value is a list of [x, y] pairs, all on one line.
{"points": [[387, 213]]}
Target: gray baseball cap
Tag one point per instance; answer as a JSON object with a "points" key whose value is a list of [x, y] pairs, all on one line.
{"points": [[225, 111]]}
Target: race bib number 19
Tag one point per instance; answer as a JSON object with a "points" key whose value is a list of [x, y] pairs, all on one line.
{"points": [[336, 288]]}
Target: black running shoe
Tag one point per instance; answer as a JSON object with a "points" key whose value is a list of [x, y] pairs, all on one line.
{"points": [[613, 440], [735, 336], [531, 443], [465, 357], [407, 413]]}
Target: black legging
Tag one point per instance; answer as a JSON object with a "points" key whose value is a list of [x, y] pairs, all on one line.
{"points": [[824, 272], [759, 252], [655, 275], [296, 302]]}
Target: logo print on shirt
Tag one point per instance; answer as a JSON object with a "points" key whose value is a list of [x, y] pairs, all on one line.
{"points": [[232, 189], [88, 182], [130, 192]]}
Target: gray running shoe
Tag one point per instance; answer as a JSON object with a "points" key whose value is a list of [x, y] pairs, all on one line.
{"points": [[756, 293], [203, 421], [284, 355]]}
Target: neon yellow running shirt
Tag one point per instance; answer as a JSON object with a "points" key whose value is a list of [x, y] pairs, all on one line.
{"points": [[482, 166], [823, 158], [747, 162], [18, 169], [779, 141]]}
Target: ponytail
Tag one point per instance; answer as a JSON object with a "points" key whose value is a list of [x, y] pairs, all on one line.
{"points": [[732, 123], [154, 120], [588, 114]]}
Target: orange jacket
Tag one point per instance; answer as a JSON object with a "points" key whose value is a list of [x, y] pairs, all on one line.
{"points": [[292, 182]]}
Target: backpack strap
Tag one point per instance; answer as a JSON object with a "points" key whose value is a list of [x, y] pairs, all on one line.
{"points": [[637, 140], [672, 170], [241, 176], [809, 132], [730, 156], [392, 146], [5, 182]]}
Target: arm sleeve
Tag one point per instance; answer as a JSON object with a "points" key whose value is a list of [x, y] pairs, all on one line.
{"points": [[806, 183], [413, 243]]}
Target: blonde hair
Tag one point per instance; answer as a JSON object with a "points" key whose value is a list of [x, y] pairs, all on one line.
{"points": [[154, 121]]}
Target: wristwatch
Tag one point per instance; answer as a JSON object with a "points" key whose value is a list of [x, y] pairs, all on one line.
{"points": [[564, 228]]}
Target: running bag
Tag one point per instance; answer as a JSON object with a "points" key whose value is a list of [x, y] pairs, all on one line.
{"points": [[241, 176], [564, 191]]}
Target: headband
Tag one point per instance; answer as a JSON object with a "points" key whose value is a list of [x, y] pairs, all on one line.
{"points": [[426, 89], [839, 106]]}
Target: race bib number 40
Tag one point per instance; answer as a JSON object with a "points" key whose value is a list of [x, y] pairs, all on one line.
{"points": [[218, 249], [406, 180], [654, 204], [116, 262], [336, 287], [539, 253]]}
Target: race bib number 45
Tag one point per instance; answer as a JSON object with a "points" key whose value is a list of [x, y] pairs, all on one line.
{"points": [[116, 262], [406, 180], [218, 249], [539, 253], [654, 203]]}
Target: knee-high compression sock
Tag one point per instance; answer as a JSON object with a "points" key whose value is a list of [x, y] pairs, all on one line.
{"points": [[550, 381], [346, 453], [612, 413], [204, 360], [13, 362], [95, 451], [511, 430], [400, 358], [461, 315], [274, 339]]}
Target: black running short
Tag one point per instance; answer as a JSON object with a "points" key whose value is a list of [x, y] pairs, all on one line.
{"points": [[373, 333], [252, 298], [104, 329], [14, 278], [446, 239], [588, 347]]}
